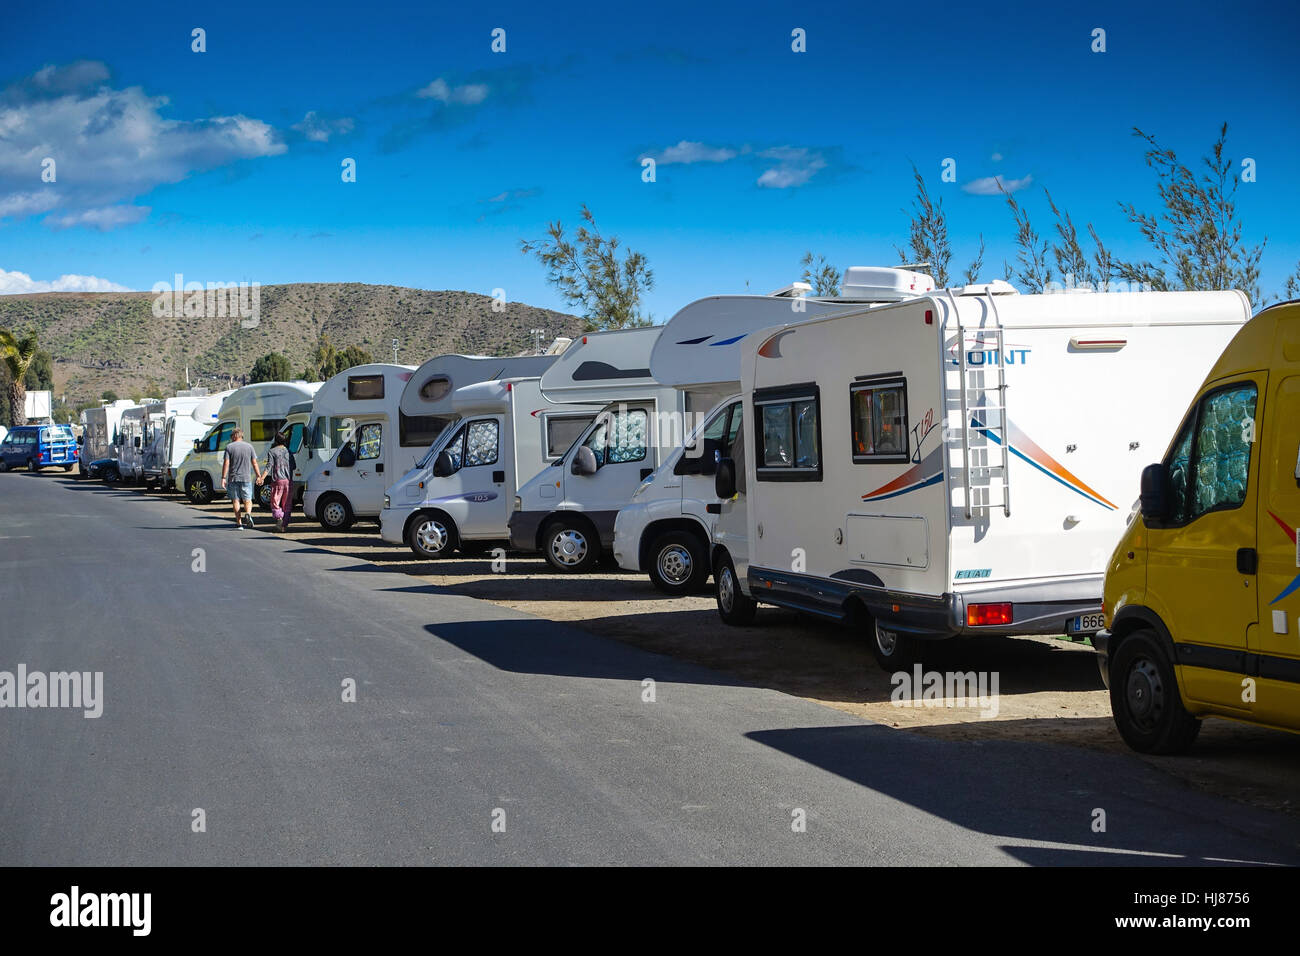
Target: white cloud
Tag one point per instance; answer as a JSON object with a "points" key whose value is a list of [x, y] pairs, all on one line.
{"points": [[467, 94], [103, 219], [319, 129], [997, 157], [17, 283], [796, 165], [687, 152], [989, 185], [109, 145]]}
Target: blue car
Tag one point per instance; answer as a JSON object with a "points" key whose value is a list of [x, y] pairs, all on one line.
{"points": [[38, 446]]}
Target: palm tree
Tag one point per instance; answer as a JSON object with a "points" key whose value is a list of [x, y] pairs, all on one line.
{"points": [[18, 355]]}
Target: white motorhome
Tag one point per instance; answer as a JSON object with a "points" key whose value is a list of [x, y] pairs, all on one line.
{"points": [[99, 432], [956, 464], [567, 511], [159, 418], [459, 495], [260, 410], [666, 528], [133, 431], [378, 442], [181, 431]]}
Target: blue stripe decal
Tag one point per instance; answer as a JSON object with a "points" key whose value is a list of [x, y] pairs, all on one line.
{"points": [[714, 345], [1290, 588], [933, 479]]}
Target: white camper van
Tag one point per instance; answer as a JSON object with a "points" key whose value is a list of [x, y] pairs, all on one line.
{"points": [[959, 463], [666, 527], [567, 511], [180, 432], [99, 432], [159, 427], [132, 441], [459, 495], [260, 410], [378, 442]]}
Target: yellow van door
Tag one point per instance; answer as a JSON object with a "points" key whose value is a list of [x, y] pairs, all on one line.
{"points": [[1200, 565], [1276, 640]]}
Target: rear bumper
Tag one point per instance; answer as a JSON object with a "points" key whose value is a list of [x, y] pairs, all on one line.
{"points": [[1037, 608]]}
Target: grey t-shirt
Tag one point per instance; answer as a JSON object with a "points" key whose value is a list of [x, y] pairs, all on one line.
{"points": [[280, 463], [240, 455]]}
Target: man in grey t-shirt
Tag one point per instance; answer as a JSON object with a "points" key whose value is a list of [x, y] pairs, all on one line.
{"points": [[237, 468]]}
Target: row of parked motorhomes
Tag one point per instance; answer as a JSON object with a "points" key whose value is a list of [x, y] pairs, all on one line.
{"points": [[923, 463]]}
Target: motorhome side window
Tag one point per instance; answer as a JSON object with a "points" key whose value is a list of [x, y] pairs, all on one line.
{"points": [[1210, 466], [264, 429], [878, 415], [620, 437], [562, 432], [419, 431], [363, 387], [368, 440], [789, 434]]}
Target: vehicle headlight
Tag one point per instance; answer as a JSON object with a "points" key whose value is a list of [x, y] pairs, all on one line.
{"points": [[388, 502], [519, 503]]}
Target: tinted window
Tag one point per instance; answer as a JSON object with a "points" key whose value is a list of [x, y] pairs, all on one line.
{"points": [[561, 433], [365, 387], [264, 429], [419, 431], [789, 434], [878, 413]]}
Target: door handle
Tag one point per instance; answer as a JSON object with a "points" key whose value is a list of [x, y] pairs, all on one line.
{"points": [[499, 476], [1247, 561], [379, 468]]}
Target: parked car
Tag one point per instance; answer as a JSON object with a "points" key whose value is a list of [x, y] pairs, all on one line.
{"points": [[105, 469], [39, 446]]}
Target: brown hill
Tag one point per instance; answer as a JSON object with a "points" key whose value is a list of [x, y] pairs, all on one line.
{"points": [[112, 340]]}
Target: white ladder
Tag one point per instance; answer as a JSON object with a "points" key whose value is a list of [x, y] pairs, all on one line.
{"points": [[991, 483]]}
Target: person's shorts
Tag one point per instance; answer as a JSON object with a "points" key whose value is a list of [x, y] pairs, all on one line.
{"points": [[239, 490]]}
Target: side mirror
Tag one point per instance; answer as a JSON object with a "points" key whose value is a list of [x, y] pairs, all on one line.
{"points": [[136, 441], [1154, 499], [584, 462], [443, 465], [347, 456], [724, 479]]}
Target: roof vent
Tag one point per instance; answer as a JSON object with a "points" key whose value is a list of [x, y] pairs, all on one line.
{"points": [[883, 284], [793, 291], [996, 287]]}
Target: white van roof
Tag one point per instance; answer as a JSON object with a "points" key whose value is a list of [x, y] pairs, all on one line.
{"points": [[262, 392], [599, 362], [332, 398], [430, 389], [208, 410]]}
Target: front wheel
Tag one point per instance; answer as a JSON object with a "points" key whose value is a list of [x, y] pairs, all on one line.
{"points": [[432, 536], [893, 651], [570, 544], [1145, 700], [678, 564], [734, 606], [262, 494], [198, 488], [334, 512]]}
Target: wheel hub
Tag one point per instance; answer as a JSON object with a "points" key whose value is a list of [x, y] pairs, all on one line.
{"points": [[334, 513], [569, 547], [1144, 693], [432, 536], [675, 564], [726, 590]]}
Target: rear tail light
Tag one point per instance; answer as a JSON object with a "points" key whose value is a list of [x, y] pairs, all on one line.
{"points": [[983, 615]]}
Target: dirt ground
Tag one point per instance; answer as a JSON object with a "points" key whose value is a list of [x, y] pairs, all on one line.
{"points": [[1049, 689]]}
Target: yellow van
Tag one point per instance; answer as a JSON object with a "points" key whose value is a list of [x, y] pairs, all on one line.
{"points": [[1202, 595]]}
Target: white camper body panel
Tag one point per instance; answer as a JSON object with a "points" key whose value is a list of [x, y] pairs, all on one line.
{"points": [[259, 410], [158, 426], [380, 441], [504, 432], [430, 388], [131, 431], [894, 494], [99, 429]]}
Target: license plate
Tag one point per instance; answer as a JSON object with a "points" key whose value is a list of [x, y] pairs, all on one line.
{"points": [[1088, 623]]}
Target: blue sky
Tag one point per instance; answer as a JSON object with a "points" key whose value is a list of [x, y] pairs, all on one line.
{"points": [[225, 165]]}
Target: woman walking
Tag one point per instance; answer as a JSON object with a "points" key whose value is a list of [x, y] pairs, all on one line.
{"points": [[279, 471]]}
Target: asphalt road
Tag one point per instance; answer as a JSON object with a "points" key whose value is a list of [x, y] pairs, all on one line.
{"points": [[223, 692]]}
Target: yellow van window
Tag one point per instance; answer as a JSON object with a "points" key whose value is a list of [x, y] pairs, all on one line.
{"points": [[1224, 437]]}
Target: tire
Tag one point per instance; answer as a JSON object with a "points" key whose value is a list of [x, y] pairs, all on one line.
{"points": [[734, 606], [893, 651], [4, 465], [198, 487], [432, 535], [32, 466], [570, 544], [679, 564], [262, 495], [334, 513], [1145, 700], [68, 467]]}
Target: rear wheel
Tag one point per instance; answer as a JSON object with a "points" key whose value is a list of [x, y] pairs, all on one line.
{"points": [[33, 465], [570, 544], [67, 467], [432, 535], [198, 487], [734, 606], [334, 513], [893, 651], [1144, 698], [678, 563]]}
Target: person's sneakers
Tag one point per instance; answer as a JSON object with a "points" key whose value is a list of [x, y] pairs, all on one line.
{"points": [[248, 521]]}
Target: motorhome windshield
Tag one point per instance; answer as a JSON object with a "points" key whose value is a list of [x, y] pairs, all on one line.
{"points": [[437, 445]]}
